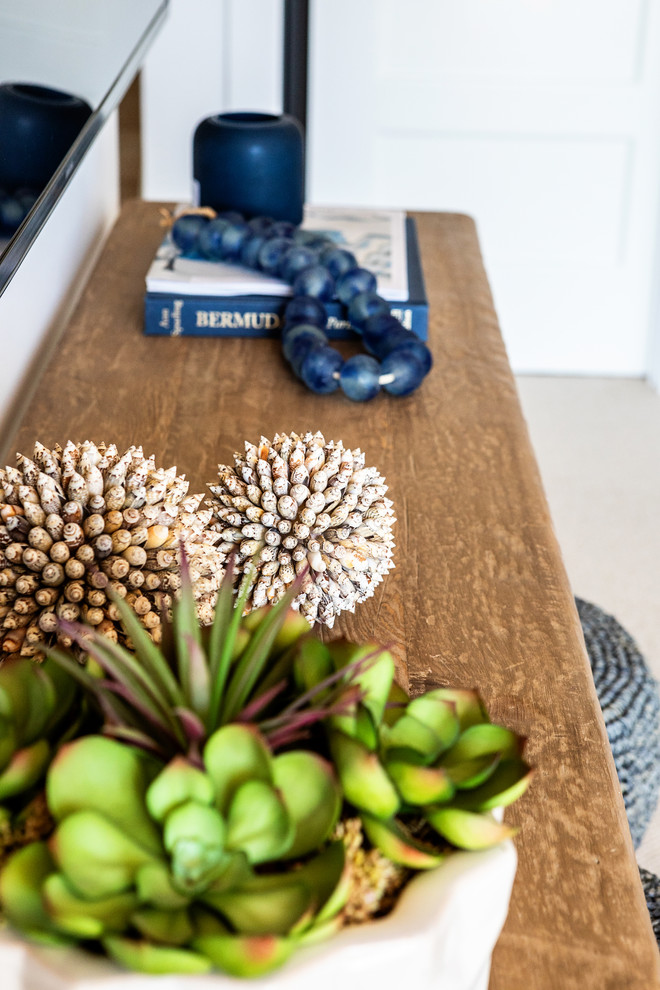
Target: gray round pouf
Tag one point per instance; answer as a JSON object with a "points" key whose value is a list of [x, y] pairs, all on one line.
{"points": [[629, 699]]}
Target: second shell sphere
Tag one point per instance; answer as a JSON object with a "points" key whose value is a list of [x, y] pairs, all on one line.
{"points": [[301, 503]]}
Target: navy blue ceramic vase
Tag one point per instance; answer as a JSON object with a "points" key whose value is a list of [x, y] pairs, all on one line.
{"points": [[250, 162], [38, 125]]}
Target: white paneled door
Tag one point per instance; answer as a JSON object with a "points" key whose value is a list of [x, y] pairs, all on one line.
{"points": [[541, 119]]}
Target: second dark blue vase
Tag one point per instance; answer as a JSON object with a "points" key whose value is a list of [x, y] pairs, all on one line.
{"points": [[250, 162]]}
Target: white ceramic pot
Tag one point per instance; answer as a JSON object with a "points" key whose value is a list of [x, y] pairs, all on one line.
{"points": [[439, 937]]}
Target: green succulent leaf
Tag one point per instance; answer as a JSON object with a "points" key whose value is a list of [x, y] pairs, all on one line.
{"points": [[234, 754], [419, 785], [178, 782], [8, 740], [482, 740], [364, 780], [359, 723], [86, 917], [468, 830], [439, 715], [472, 773], [508, 782], [194, 835], [258, 823], [21, 881], [397, 702], [268, 904], [312, 664], [143, 957], [245, 956], [25, 769], [329, 880], [158, 925], [97, 857], [468, 705], [409, 733], [32, 696], [371, 668], [312, 798], [98, 774], [153, 883], [396, 842]]}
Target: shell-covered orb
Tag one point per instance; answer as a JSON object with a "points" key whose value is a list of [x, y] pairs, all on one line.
{"points": [[299, 502], [78, 520]]}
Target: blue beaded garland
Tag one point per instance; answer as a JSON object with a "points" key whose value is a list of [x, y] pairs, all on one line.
{"points": [[406, 371], [364, 305], [314, 281], [320, 369], [295, 260], [359, 376], [271, 253], [186, 230], [353, 282], [305, 309], [318, 270]]}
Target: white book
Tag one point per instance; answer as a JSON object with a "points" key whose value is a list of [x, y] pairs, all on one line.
{"points": [[377, 238]]}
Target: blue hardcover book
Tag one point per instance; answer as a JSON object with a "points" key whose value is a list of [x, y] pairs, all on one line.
{"points": [[176, 314]]}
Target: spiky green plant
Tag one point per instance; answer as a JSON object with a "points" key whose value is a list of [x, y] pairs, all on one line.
{"points": [[434, 764], [169, 699]]}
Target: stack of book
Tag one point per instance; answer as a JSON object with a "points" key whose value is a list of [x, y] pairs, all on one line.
{"points": [[196, 297]]}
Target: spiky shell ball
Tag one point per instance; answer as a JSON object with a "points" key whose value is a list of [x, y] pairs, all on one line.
{"points": [[76, 520], [300, 502]]}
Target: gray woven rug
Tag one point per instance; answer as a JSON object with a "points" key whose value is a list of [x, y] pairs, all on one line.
{"points": [[630, 702]]}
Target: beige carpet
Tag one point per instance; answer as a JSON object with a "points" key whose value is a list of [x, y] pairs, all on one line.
{"points": [[597, 442]]}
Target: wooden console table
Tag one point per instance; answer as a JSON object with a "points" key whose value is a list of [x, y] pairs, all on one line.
{"points": [[479, 596]]}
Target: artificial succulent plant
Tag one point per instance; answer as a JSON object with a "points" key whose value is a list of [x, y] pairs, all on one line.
{"points": [[216, 819]]}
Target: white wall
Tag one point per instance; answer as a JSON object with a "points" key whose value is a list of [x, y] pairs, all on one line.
{"points": [[540, 119], [211, 56]]}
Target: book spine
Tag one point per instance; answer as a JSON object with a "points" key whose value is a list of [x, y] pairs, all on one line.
{"points": [[207, 316]]}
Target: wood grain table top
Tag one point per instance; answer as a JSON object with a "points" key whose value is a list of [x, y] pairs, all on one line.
{"points": [[479, 596]]}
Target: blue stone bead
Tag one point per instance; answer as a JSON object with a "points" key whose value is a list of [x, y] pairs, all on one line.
{"points": [[210, 239], [408, 373], [295, 260], [282, 228], [271, 253], [305, 309], [319, 367], [389, 340], [364, 305], [419, 350], [337, 260], [374, 328], [359, 378], [186, 229], [233, 237], [315, 281], [353, 282], [249, 254], [299, 338], [260, 225]]}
